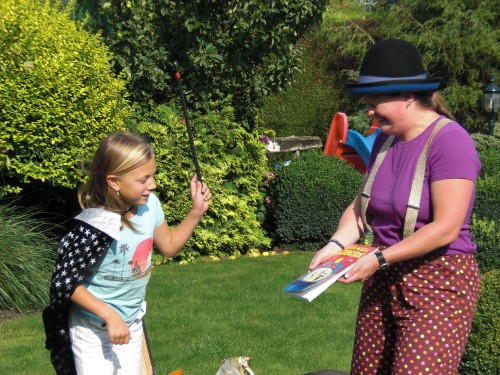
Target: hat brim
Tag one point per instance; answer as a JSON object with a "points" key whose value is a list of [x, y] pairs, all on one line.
{"points": [[392, 86]]}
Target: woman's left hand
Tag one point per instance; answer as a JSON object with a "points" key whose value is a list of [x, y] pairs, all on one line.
{"points": [[362, 270], [200, 195]]}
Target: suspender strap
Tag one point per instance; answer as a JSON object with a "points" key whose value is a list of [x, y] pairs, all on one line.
{"points": [[413, 205], [366, 187]]}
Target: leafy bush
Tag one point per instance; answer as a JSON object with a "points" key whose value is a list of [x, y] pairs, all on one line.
{"points": [[57, 95], [487, 202], [486, 234], [487, 205], [27, 255], [482, 354], [490, 162], [484, 142], [484, 223], [309, 196], [232, 163]]}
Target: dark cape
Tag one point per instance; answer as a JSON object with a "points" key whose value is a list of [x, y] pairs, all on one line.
{"points": [[78, 252]]}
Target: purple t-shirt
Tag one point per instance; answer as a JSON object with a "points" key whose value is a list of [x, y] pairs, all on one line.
{"points": [[451, 155]]}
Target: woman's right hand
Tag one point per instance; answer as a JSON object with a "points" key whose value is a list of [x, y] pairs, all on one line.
{"points": [[323, 254], [118, 331]]}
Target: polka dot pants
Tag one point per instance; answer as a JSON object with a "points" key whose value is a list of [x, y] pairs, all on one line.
{"points": [[414, 318]]}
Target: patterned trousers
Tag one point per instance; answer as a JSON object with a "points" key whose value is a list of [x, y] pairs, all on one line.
{"points": [[414, 317]]}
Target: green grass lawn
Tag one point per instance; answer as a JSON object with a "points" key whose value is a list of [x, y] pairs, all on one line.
{"points": [[200, 313]]}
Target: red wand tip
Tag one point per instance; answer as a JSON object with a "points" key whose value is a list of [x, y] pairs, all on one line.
{"points": [[177, 75]]}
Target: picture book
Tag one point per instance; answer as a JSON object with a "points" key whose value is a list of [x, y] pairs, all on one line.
{"points": [[313, 283]]}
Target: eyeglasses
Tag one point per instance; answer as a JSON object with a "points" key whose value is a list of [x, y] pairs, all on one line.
{"points": [[374, 100]]}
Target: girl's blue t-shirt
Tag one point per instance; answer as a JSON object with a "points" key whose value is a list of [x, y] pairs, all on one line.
{"points": [[121, 276]]}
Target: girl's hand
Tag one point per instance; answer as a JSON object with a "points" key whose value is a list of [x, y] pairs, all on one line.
{"points": [[118, 331], [362, 270], [200, 195]]}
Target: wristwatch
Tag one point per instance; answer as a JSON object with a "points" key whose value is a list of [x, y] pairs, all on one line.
{"points": [[382, 263]]}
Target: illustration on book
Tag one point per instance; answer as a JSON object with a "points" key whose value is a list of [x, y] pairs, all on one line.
{"points": [[313, 283]]}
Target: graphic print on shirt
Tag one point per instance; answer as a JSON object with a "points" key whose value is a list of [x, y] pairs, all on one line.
{"points": [[128, 268]]}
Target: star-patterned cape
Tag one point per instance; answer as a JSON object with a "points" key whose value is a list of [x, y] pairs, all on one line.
{"points": [[78, 252]]}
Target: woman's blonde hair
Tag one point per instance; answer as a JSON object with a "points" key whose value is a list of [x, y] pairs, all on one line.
{"points": [[435, 102], [118, 153]]}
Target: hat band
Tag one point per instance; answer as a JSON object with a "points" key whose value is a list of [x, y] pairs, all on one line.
{"points": [[374, 79]]}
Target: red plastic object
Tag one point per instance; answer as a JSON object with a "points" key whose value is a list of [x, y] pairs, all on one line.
{"points": [[335, 143], [374, 126]]}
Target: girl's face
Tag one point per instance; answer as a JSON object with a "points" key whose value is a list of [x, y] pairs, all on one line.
{"points": [[136, 185]]}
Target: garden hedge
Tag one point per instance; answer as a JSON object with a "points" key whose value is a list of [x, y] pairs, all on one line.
{"points": [[482, 355], [309, 196]]}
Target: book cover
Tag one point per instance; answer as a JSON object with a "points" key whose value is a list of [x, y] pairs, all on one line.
{"points": [[313, 283]]}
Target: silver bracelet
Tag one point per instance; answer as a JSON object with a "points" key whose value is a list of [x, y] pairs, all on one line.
{"points": [[337, 242]]}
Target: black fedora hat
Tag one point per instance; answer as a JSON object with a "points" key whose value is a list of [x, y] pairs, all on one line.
{"points": [[392, 66]]}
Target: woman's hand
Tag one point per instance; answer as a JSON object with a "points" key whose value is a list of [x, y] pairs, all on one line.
{"points": [[323, 254], [200, 195], [366, 266]]}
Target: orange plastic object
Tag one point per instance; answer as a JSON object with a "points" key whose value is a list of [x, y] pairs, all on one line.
{"points": [[177, 372], [335, 143]]}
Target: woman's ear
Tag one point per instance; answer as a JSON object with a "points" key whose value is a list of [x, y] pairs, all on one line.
{"points": [[409, 98], [113, 182]]}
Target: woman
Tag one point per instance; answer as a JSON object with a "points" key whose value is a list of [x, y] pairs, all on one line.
{"points": [[419, 294]]}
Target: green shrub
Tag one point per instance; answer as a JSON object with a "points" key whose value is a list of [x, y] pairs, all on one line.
{"points": [[309, 196], [58, 96], [490, 162], [487, 205], [486, 234], [484, 142], [27, 255], [482, 354], [232, 163]]}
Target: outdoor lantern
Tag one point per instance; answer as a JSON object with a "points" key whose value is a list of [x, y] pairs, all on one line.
{"points": [[491, 102]]}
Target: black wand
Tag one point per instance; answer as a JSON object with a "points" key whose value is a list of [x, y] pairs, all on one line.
{"points": [[188, 124]]}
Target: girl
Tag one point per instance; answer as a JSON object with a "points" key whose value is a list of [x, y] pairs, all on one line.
{"points": [[94, 320]]}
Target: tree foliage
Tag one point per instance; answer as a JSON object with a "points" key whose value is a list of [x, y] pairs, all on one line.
{"points": [[458, 40], [242, 49], [57, 95]]}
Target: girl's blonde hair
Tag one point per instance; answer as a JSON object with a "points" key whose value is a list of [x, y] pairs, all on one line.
{"points": [[117, 154]]}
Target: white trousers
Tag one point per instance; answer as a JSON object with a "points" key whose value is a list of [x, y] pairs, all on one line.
{"points": [[95, 354]]}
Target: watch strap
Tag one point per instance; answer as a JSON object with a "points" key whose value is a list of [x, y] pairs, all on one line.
{"points": [[382, 262]]}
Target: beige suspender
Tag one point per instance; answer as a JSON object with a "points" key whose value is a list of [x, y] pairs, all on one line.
{"points": [[366, 187], [413, 205]]}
